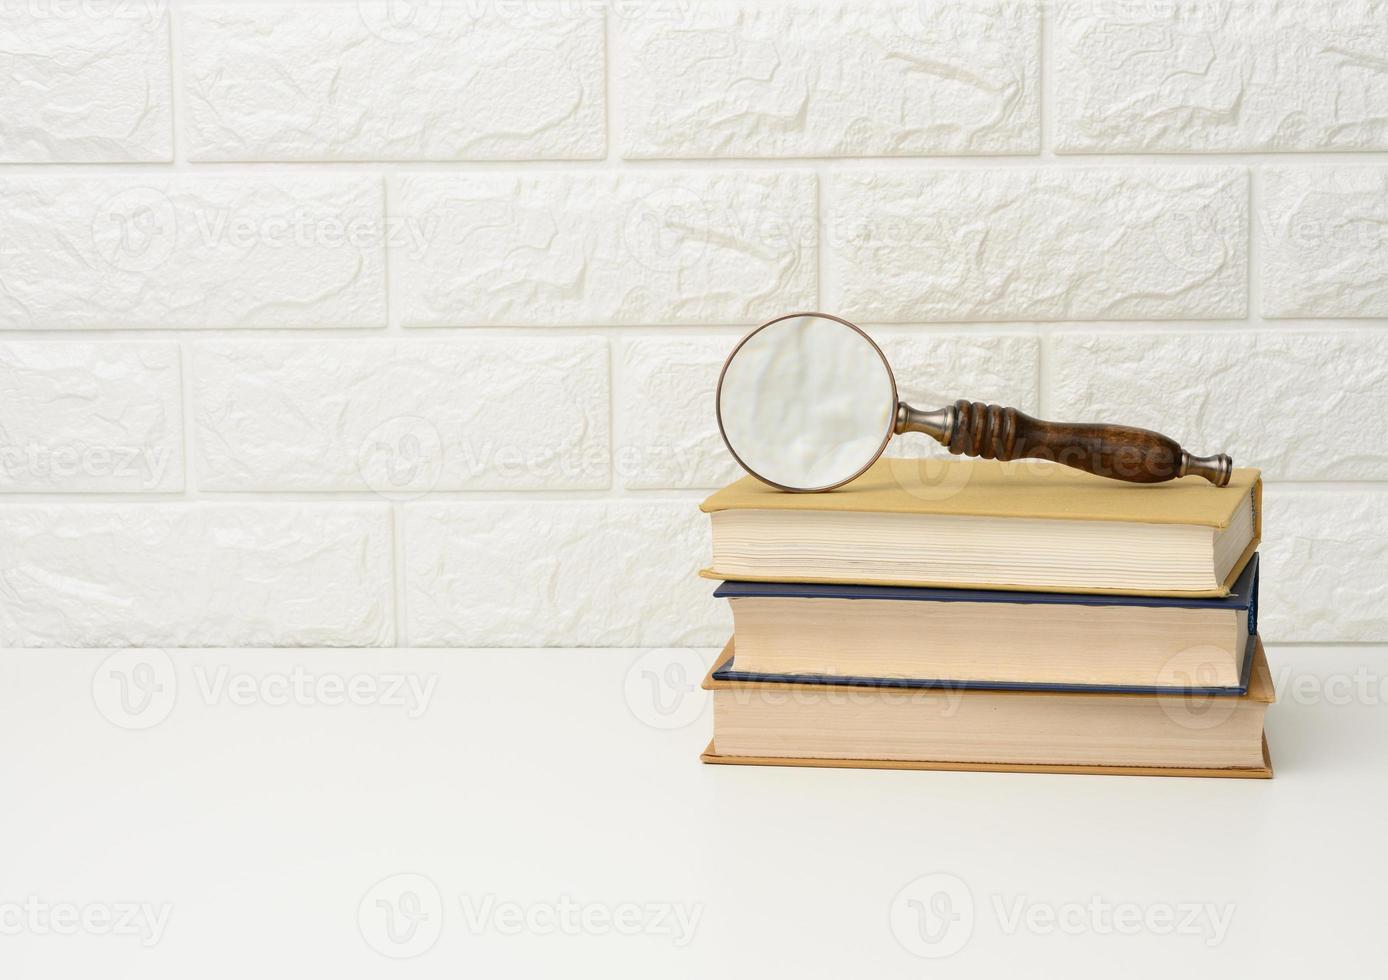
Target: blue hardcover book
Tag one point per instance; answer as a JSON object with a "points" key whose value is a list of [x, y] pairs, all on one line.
{"points": [[867, 635]]}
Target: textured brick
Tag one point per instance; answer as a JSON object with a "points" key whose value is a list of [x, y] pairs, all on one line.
{"points": [[606, 248], [1300, 406], [85, 83], [830, 79], [559, 574], [1189, 76], [195, 575], [937, 369], [668, 435], [1040, 244], [403, 418], [1325, 574], [1324, 233], [163, 251], [666, 401], [99, 417], [359, 81]]}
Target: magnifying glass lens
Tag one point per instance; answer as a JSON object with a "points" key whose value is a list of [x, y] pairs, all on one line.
{"points": [[806, 402]]}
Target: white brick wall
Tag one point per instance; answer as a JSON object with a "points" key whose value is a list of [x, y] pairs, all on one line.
{"points": [[612, 247], [1191, 75], [172, 250], [844, 80], [195, 574], [1040, 243], [358, 323], [336, 415], [516, 573], [352, 81], [85, 89]]}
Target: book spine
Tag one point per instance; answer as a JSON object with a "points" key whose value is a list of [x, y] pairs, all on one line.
{"points": [[1253, 597]]}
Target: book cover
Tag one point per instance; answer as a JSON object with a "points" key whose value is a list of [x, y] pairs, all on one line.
{"points": [[1023, 489], [1260, 688], [727, 671], [1259, 683], [711, 757], [988, 488], [1242, 596]]}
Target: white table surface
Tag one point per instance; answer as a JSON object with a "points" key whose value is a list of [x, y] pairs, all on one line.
{"points": [[546, 786]]}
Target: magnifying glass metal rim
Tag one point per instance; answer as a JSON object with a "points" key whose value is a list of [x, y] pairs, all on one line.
{"points": [[1117, 452], [886, 437]]}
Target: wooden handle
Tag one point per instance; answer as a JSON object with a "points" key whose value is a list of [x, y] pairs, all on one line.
{"points": [[1119, 452]]}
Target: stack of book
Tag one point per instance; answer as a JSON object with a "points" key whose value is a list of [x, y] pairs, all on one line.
{"points": [[972, 614]]}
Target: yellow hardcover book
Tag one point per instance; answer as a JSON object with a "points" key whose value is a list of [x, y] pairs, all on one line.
{"points": [[1023, 525], [801, 723]]}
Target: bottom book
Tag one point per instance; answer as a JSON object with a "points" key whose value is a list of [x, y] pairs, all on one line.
{"points": [[823, 724]]}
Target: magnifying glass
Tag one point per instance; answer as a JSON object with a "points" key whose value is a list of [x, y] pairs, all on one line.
{"points": [[807, 402]]}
